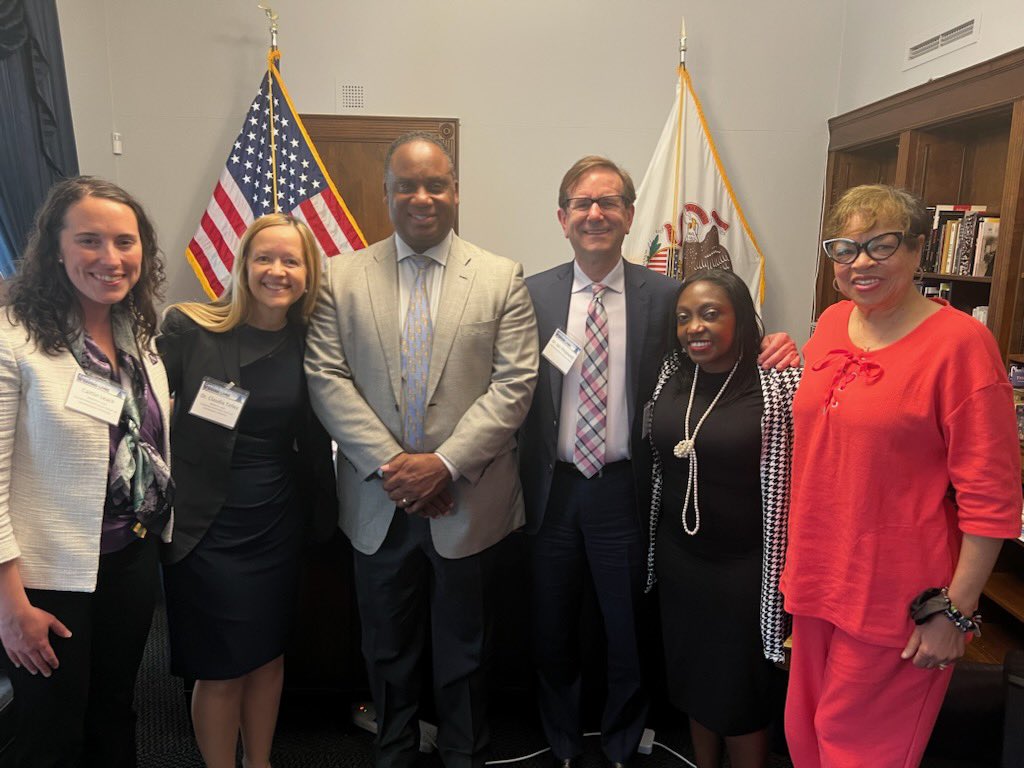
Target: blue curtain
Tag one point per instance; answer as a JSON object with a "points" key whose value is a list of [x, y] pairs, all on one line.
{"points": [[37, 141]]}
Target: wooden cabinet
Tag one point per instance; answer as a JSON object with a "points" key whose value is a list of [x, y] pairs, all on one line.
{"points": [[955, 139]]}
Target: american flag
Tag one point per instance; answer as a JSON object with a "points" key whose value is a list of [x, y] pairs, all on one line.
{"points": [[246, 188]]}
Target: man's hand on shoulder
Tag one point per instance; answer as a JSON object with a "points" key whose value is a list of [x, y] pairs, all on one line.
{"points": [[419, 484], [778, 351]]}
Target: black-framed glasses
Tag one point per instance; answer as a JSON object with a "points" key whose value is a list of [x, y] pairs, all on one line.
{"points": [[843, 250], [606, 203]]}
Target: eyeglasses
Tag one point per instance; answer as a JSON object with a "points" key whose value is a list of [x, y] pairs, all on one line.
{"points": [[606, 203], [842, 250]]}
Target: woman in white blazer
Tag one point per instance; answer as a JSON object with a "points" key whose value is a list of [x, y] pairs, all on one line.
{"points": [[85, 489]]}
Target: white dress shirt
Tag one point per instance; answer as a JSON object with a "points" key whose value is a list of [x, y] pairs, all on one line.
{"points": [[407, 269], [616, 439]]}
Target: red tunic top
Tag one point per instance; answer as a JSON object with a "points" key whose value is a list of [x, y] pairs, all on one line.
{"points": [[880, 437]]}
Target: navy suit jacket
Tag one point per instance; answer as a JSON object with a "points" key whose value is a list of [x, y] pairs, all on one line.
{"points": [[650, 319]]}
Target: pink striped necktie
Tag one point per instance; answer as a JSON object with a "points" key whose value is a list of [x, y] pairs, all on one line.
{"points": [[589, 452]]}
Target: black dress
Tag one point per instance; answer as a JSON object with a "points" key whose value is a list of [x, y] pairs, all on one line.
{"points": [[709, 584], [230, 600]]}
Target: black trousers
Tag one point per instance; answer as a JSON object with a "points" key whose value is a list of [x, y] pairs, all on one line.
{"points": [[406, 589], [83, 714], [589, 525]]}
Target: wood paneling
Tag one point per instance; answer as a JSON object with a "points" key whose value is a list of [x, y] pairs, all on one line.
{"points": [[971, 91], [1006, 306]]}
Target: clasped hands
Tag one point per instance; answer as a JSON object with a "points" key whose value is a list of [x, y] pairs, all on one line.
{"points": [[419, 483]]}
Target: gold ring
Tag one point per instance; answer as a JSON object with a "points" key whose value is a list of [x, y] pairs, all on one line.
{"points": [[405, 502]]}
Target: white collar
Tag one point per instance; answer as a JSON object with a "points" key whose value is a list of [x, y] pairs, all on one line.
{"points": [[438, 253], [613, 281]]}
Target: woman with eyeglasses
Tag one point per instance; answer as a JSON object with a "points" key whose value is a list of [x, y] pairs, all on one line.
{"points": [[906, 478]]}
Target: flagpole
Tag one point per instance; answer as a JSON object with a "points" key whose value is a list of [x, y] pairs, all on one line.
{"points": [[272, 55], [674, 265]]}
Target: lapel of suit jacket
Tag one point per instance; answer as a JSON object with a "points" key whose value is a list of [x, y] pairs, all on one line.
{"points": [[229, 348], [551, 302], [382, 283], [638, 300], [455, 285], [158, 382]]}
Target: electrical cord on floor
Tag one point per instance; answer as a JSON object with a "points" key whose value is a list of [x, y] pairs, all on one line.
{"points": [[649, 740], [364, 716], [508, 760], [673, 752], [517, 759]]}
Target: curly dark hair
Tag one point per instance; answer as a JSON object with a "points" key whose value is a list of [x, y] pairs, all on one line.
{"points": [[41, 296]]}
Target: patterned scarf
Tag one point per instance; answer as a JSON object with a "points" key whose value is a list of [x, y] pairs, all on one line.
{"points": [[139, 477]]}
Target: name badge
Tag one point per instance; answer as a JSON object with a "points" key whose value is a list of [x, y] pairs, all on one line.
{"points": [[562, 351], [219, 402], [97, 397]]}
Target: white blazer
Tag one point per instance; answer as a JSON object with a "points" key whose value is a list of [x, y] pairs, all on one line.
{"points": [[54, 464]]}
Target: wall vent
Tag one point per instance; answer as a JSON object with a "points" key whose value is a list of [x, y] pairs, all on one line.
{"points": [[942, 41], [349, 97]]}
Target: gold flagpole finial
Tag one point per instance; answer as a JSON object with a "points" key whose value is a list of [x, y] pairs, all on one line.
{"points": [[682, 42], [272, 17]]}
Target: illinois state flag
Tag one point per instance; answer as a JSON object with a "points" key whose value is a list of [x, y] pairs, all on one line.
{"points": [[687, 217], [272, 166]]}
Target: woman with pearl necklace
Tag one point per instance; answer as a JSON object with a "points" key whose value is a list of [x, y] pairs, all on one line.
{"points": [[720, 431]]}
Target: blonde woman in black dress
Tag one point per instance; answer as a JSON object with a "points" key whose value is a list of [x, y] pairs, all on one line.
{"points": [[721, 432], [232, 568]]}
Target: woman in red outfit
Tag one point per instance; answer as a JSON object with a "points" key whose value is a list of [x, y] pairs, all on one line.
{"points": [[906, 478]]}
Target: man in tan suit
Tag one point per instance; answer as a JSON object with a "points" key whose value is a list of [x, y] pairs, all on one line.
{"points": [[422, 360]]}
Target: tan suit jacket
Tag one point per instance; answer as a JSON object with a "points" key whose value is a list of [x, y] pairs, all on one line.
{"points": [[483, 369]]}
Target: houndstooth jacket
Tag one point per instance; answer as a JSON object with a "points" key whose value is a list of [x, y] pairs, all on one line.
{"points": [[777, 388]]}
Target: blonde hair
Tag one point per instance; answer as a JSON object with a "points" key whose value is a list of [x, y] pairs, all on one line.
{"points": [[233, 308], [875, 203]]}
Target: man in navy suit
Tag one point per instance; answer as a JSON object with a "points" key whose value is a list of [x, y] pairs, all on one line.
{"points": [[584, 490]]}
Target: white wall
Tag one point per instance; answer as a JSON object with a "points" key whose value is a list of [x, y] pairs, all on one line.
{"points": [[535, 83], [878, 32]]}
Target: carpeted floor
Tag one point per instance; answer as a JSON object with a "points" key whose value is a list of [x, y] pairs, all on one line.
{"points": [[315, 730]]}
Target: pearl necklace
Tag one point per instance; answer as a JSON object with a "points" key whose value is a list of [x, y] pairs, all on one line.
{"points": [[687, 448]]}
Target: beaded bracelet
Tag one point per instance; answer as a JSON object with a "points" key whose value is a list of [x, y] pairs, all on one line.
{"points": [[936, 600]]}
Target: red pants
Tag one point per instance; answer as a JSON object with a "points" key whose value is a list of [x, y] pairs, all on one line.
{"points": [[852, 704]]}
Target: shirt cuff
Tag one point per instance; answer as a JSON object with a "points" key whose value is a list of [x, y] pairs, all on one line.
{"points": [[451, 467]]}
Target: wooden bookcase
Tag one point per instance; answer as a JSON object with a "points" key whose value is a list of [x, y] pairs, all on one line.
{"points": [[955, 139]]}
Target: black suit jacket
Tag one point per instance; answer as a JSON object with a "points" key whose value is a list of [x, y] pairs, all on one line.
{"points": [[650, 318], [201, 451]]}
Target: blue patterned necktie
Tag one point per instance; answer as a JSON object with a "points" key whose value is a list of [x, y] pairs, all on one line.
{"points": [[417, 337]]}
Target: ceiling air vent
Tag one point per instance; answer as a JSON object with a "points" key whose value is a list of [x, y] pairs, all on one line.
{"points": [[927, 46], [942, 41]]}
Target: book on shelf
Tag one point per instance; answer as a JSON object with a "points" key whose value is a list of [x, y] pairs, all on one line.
{"points": [[943, 252], [985, 246], [949, 245], [927, 250], [963, 252]]}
